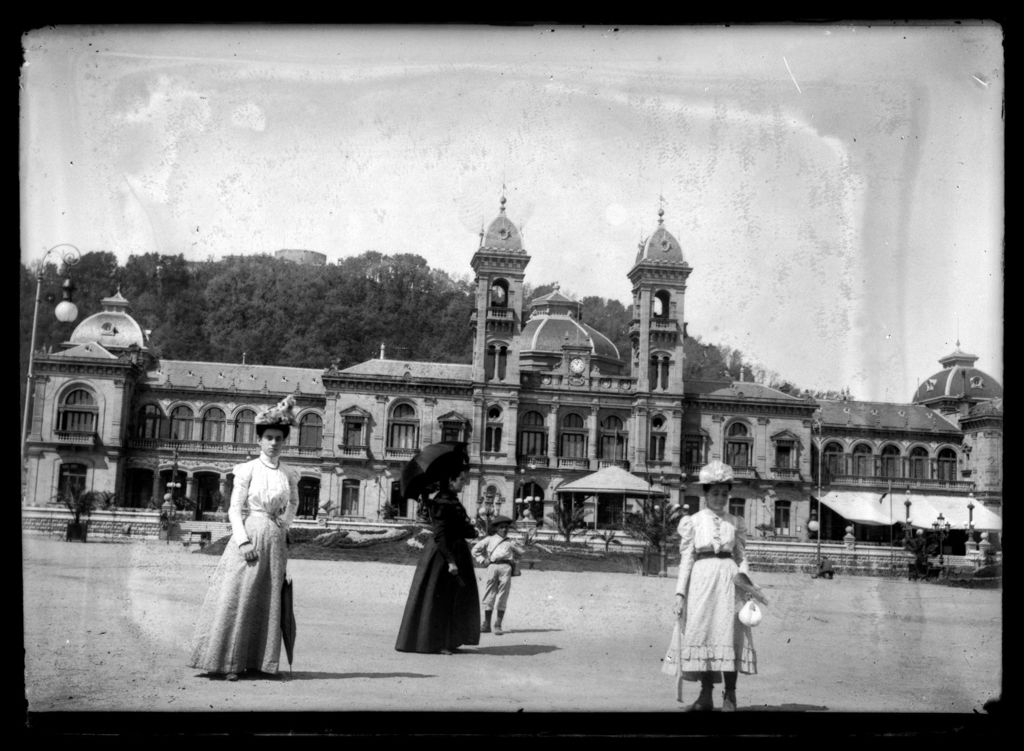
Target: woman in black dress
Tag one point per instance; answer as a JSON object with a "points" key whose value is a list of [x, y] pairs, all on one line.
{"points": [[443, 609]]}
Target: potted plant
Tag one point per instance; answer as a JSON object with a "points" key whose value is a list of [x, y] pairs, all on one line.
{"points": [[655, 525], [79, 502]]}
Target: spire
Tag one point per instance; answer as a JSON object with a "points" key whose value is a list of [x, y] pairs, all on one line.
{"points": [[661, 210]]}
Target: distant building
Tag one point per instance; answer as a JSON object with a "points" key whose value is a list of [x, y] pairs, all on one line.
{"points": [[546, 400], [305, 257]]}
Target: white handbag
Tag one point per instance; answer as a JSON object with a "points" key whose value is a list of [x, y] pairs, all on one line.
{"points": [[750, 614]]}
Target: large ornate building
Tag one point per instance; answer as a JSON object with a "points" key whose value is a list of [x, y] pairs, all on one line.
{"points": [[546, 400]]}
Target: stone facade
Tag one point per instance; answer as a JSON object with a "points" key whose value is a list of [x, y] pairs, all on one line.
{"points": [[545, 400]]}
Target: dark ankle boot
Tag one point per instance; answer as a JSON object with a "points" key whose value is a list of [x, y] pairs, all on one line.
{"points": [[728, 701], [704, 702], [485, 627], [497, 623]]}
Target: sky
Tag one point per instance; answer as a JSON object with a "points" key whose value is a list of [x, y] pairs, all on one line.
{"points": [[837, 190]]}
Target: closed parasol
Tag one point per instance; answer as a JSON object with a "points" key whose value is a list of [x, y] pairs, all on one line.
{"points": [[433, 463], [288, 627]]}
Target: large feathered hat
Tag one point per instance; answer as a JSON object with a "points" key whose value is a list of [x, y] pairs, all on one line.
{"points": [[715, 471], [281, 413]]}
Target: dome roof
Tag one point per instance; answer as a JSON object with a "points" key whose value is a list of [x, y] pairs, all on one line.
{"points": [[662, 246], [554, 320], [958, 379], [112, 327], [502, 234]]}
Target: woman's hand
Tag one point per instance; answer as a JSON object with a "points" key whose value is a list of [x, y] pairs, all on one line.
{"points": [[453, 569], [677, 608], [248, 551]]}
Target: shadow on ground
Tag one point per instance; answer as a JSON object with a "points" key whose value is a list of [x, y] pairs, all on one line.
{"points": [[523, 650]]}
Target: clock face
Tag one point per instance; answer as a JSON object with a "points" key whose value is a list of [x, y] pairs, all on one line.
{"points": [[576, 365]]}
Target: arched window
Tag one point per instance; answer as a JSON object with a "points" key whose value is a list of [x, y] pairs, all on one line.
{"points": [[213, 425], [574, 437], [499, 294], [833, 461], [72, 479], [311, 431], [496, 362], [404, 427], [862, 460], [533, 438], [919, 463], [151, 422], [660, 304], [181, 423], [738, 445], [656, 451], [245, 426], [890, 461], [78, 412], [946, 465], [492, 435], [613, 439]]}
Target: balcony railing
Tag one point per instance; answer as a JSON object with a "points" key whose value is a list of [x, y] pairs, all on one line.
{"points": [[78, 437], [354, 451], [566, 463], [602, 463], [396, 453], [744, 473], [691, 469], [786, 473], [532, 461], [900, 482], [500, 313], [216, 447]]}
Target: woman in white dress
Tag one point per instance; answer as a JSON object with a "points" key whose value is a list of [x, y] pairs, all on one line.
{"points": [[239, 625], [712, 645]]}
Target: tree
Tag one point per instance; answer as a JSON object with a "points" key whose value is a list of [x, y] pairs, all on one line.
{"points": [[568, 520], [654, 524], [607, 536]]}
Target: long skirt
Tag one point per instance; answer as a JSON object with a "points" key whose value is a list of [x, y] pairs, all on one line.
{"points": [[442, 611], [712, 639], [239, 625]]}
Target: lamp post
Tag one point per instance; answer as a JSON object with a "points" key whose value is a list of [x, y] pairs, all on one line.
{"points": [[906, 531], [815, 523], [66, 312], [941, 527], [971, 544]]}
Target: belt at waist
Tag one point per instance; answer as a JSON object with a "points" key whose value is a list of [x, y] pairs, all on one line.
{"points": [[273, 517], [709, 554], [507, 563]]}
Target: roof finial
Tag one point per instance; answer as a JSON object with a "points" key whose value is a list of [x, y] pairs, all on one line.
{"points": [[661, 209], [557, 286], [958, 331], [382, 350], [481, 232]]}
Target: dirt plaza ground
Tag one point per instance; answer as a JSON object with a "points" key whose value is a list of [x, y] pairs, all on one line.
{"points": [[107, 625]]}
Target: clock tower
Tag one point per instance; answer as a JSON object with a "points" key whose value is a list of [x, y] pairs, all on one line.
{"points": [[656, 336], [497, 319]]}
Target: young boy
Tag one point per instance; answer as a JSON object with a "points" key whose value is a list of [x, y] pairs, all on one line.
{"points": [[498, 553]]}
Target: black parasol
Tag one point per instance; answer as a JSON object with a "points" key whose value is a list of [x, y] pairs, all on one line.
{"points": [[288, 619], [434, 463]]}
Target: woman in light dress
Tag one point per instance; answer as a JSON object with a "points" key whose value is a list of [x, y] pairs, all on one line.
{"points": [[239, 625], [709, 644]]}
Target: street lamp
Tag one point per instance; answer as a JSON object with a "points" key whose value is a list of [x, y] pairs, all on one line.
{"points": [[66, 312], [941, 527], [906, 524], [970, 521], [815, 523]]}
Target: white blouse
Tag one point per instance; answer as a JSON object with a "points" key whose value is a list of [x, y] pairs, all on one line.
{"points": [[707, 532], [262, 489]]}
